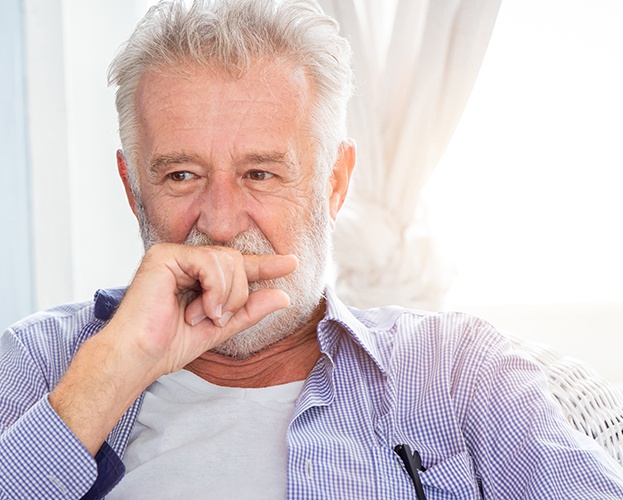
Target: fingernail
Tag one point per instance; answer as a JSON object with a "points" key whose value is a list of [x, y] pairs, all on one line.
{"points": [[218, 311], [224, 319], [197, 319]]}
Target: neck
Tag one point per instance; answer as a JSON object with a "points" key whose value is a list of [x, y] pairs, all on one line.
{"points": [[289, 360]]}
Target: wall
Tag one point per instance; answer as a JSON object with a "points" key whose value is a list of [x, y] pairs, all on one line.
{"points": [[16, 297]]}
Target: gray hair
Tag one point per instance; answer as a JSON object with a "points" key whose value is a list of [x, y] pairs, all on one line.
{"points": [[230, 35]]}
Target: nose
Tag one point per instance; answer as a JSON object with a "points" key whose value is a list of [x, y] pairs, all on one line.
{"points": [[223, 215]]}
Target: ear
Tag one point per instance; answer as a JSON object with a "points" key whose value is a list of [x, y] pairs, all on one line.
{"points": [[340, 177], [122, 168]]}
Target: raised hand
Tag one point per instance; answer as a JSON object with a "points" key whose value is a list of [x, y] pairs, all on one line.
{"points": [[183, 301]]}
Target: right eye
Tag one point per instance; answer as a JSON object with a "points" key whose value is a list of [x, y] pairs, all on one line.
{"points": [[181, 176]]}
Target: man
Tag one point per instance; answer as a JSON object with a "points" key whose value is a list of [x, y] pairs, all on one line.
{"points": [[226, 369]]}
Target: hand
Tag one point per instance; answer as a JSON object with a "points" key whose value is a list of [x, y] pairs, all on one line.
{"points": [[185, 300]]}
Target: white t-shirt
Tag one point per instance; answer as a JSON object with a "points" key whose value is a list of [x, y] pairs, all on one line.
{"points": [[193, 439]]}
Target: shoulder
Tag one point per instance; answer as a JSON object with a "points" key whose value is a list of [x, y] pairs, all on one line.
{"points": [[65, 320], [47, 341], [407, 329], [458, 348], [72, 322]]}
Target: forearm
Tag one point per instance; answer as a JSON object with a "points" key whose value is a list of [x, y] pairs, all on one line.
{"points": [[100, 385]]}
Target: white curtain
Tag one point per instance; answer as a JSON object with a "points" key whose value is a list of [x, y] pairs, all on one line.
{"points": [[415, 63]]}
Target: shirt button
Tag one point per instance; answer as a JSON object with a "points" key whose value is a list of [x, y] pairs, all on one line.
{"points": [[59, 484]]}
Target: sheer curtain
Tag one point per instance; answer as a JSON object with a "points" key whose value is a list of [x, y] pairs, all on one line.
{"points": [[83, 235], [415, 64]]}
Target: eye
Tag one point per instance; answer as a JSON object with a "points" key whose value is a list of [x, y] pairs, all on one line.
{"points": [[181, 176], [258, 175]]}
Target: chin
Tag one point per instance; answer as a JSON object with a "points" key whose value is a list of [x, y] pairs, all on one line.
{"points": [[270, 330]]}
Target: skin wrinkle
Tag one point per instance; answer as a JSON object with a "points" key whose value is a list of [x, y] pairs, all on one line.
{"points": [[299, 201], [299, 77], [292, 215], [182, 157]]}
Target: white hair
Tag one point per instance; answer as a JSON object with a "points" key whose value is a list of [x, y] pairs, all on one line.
{"points": [[229, 36]]}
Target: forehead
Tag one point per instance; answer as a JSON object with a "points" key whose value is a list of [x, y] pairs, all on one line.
{"points": [[269, 97]]}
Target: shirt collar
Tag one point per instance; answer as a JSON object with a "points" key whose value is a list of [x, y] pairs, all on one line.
{"points": [[107, 301], [339, 314]]}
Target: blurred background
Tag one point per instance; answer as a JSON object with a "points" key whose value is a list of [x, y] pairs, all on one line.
{"points": [[510, 204]]}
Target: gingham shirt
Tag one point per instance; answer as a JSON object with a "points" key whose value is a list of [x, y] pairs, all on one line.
{"points": [[447, 385]]}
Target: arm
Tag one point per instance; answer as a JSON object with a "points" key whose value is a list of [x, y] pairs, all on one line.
{"points": [[39, 456], [172, 313], [521, 443]]}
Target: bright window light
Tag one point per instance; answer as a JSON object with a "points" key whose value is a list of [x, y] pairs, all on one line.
{"points": [[528, 197]]}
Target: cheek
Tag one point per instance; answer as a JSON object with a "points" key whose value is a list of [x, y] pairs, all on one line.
{"points": [[284, 225], [276, 225], [172, 220]]}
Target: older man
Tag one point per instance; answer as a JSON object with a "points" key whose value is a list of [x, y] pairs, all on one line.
{"points": [[226, 369]]}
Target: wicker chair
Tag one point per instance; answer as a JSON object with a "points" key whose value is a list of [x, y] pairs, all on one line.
{"points": [[592, 404]]}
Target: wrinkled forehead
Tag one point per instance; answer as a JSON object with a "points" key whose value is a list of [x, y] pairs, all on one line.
{"points": [[258, 75], [199, 109]]}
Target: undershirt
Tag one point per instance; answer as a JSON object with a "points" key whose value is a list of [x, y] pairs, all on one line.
{"points": [[194, 439]]}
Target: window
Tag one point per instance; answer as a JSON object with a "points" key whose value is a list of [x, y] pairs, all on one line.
{"points": [[527, 198]]}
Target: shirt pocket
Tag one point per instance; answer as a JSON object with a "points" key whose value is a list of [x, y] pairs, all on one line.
{"points": [[450, 479]]}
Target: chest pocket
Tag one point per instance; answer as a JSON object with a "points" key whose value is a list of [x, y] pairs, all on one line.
{"points": [[450, 479]]}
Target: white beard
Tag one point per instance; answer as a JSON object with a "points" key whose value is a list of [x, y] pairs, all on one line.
{"points": [[305, 286]]}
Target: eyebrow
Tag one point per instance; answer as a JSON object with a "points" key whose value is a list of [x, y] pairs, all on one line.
{"points": [[285, 159], [160, 161]]}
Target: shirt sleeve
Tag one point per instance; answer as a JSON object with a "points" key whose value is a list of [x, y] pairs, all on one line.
{"points": [[39, 455], [41, 458], [520, 441]]}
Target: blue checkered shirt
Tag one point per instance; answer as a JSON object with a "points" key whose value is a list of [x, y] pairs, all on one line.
{"points": [[448, 385]]}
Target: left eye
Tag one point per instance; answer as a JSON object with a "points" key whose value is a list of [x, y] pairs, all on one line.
{"points": [[181, 176], [258, 175]]}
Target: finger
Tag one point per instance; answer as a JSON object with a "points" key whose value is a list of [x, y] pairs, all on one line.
{"points": [[266, 267], [206, 335], [195, 312], [223, 275], [214, 271], [260, 304], [223, 283], [238, 292], [255, 267]]}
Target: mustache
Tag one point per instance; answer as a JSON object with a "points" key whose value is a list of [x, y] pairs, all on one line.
{"points": [[251, 242]]}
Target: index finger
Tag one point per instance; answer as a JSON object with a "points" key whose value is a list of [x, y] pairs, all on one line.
{"points": [[267, 267]]}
